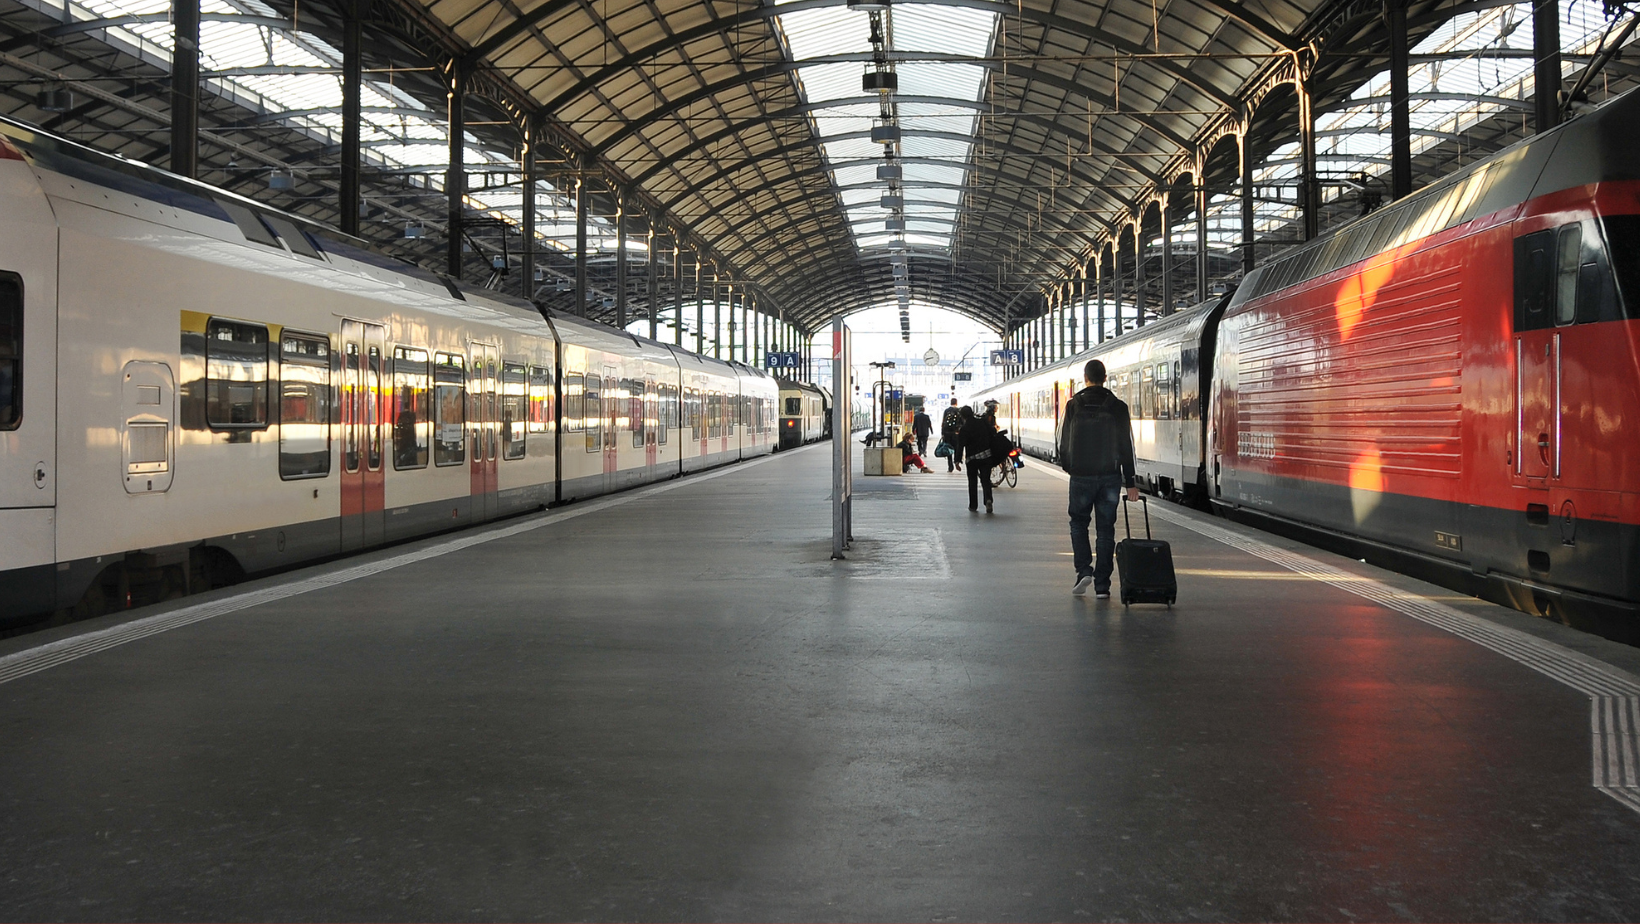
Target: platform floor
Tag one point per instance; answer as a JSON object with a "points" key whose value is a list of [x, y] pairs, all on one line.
{"points": [[671, 705]]}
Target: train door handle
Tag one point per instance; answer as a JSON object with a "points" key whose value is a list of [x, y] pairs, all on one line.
{"points": [[1543, 446]]}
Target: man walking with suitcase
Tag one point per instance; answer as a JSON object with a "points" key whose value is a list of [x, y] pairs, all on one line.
{"points": [[1096, 450]]}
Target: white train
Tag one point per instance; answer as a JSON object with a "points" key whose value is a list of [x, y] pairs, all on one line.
{"points": [[194, 388], [805, 413], [1162, 373]]}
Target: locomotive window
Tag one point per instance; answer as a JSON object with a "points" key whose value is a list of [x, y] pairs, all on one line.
{"points": [[1623, 241], [540, 399], [515, 409], [11, 352], [574, 401], [794, 407], [410, 408], [236, 375], [1534, 280], [1568, 257], [592, 412], [449, 409], [304, 406]]}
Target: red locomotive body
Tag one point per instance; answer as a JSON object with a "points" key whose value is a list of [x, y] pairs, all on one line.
{"points": [[1452, 382]]}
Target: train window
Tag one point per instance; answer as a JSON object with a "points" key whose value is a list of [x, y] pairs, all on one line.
{"points": [[515, 409], [1623, 242], [236, 375], [663, 414], [540, 411], [794, 407], [304, 406], [1568, 257], [411, 394], [1164, 392], [1534, 280], [574, 401], [1147, 392], [449, 409], [637, 419], [592, 412], [11, 352], [373, 409]]}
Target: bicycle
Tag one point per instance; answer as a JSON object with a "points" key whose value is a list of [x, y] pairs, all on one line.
{"points": [[1006, 471]]}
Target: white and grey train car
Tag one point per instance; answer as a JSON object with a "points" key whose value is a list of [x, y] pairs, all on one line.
{"points": [[1161, 372], [805, 413], [194, 388]]}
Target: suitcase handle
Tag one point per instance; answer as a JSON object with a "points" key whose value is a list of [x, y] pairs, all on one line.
{"points": [[1129, 522]]}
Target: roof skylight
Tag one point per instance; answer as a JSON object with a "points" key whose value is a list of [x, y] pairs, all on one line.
{"points": [[934, 107]]}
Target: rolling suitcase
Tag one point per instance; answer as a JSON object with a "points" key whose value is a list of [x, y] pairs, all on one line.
{"points": [[1145, 566]]}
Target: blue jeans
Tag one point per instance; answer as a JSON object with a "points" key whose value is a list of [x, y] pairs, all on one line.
{"points": [[1094, 497]]}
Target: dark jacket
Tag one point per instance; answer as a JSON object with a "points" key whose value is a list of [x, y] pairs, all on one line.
{"points": [[1096, 437], [921, 425], [951, 423], [976, 436]]}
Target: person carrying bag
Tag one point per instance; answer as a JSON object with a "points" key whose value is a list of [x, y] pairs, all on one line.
{"points": [[1096, 450]]}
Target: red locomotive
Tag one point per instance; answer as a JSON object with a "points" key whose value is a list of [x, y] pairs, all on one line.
{"points": [[1453, 382]]}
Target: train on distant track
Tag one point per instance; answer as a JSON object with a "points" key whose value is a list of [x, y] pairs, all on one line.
{"points": [[805, 413], [1449, 385], [194, 388]]}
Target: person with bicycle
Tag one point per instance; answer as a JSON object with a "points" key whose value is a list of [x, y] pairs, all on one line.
{"points": [[976, 437], [1096, 450]]}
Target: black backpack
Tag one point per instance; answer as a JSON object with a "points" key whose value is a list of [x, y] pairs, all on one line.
{"points": [[1095, 438]]}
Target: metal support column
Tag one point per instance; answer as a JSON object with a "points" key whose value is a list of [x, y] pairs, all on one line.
{"points": [[1201, 235], [353, 12], [700, 312], [455, 178], [1167, 258], [1546, 66], [1079, 287], [1138, 274], [717, 317], [527, 249], [652, 295], [1244, 156], [1116, 288], [581, 246], [677, 293], [1099, 289], [185, 88], [620, 260], [1400, 109], [1309, 184]]}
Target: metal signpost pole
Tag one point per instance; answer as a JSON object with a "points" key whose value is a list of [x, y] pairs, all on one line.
{"points": [[842, 478]]}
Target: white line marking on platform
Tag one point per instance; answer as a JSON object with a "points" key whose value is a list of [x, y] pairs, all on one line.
{"points": [[1614, 694], [33, 660]]}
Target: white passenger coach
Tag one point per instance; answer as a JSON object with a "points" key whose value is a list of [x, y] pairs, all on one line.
{"points": [[194, 388]]}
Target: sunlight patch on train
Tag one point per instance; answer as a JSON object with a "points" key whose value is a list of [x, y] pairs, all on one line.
{"points": [[1366, 484]]}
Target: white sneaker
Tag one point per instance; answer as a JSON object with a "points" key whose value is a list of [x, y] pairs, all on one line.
{"points": [[1082, 585], [1102, 595]]}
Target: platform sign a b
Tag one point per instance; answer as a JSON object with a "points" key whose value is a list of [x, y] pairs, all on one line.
{"points": [[1007, 357]]}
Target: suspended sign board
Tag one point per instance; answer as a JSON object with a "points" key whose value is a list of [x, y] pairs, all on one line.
{"points": [[778, 360], [962, 377], [1007, 357]]}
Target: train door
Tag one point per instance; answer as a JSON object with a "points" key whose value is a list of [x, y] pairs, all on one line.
{"points": [[651, 422], [364, 490], [614, 395], [483, 366], [1536, 448]]}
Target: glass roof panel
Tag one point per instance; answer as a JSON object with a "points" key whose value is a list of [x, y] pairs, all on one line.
{"points": [[911, 28]]}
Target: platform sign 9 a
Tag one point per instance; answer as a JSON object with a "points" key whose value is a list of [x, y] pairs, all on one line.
{"points": [[1007, 357], [779, 360]]}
